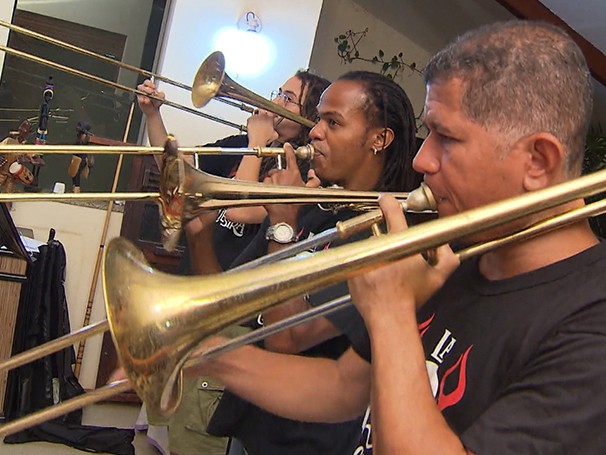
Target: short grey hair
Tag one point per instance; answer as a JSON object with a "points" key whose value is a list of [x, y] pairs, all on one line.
{"points": [[520, 78]]}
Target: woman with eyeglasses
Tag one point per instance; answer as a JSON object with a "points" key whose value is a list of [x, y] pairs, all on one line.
{"points": [[300, 95], [226, 238], [233, 230]]}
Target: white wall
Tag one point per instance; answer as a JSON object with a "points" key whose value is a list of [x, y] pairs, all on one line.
{"points": [[6, 14], [79, 230], [337, 17], [290, 24], [418, 29]]}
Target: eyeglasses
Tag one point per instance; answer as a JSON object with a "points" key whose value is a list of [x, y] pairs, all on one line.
{"points": [[286, 98]]}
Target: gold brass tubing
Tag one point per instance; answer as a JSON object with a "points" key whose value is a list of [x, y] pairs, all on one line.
{"points": [[594, 209], [43, 415], [80, 50], [38, 197], [53, 346], [203, 191], [301, 152], [591, 210], [100, 80]]}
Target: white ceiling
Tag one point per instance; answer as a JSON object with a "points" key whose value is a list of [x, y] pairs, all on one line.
{"points": [[586, 17]]}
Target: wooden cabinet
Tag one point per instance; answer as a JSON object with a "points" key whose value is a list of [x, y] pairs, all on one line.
{"points": [[12, 275]]}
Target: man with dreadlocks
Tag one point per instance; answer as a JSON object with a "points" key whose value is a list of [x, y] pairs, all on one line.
{"points": [[299, 94], [364, 140]]}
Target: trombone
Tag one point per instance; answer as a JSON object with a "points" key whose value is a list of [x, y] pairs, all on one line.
{"points": [[154, 346], [210, 81], [186, 192], [418, 200], [304, 152]]}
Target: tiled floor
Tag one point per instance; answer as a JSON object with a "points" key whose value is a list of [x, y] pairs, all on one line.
{"points": [[113, 415]]}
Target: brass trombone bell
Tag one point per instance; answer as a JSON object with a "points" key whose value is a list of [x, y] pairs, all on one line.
{"points": [[211, 81]]}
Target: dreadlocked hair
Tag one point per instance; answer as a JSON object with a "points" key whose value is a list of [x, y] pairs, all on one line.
{"points": [[312, 87], [388, 106]]}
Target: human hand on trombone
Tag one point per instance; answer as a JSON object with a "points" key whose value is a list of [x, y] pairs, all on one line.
{"points": [[201, 222], [291, 176], [147, 105], [117, 375], [260, 128], [405, 284]]}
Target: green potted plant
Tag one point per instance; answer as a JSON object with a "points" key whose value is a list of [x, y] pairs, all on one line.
{"points": [[595, 160]]}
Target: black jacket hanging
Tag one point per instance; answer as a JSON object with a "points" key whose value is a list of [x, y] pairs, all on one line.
{"points": [[43, 316]]}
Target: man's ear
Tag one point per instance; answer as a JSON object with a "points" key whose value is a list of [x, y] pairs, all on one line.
{"points": [[382, 138], [547, 163]]}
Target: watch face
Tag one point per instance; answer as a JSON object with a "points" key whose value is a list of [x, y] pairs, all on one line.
{"points": [[283, 232]]}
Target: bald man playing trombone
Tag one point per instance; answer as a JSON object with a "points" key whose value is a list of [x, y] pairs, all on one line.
{"points": [[504, 353]]}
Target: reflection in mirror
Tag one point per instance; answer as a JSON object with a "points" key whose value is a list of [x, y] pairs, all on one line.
{"points": [[125, 31]]}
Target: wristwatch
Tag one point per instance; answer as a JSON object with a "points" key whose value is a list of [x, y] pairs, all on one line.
{"points": [[281, 233]]}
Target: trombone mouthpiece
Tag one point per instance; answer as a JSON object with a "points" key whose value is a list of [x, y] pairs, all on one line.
{"points": [[305, 152], [420, 199]]}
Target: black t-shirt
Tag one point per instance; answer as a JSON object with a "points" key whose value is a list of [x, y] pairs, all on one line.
{"points": [[263, 433], [223, 165], [229, 238], [517, 365]]}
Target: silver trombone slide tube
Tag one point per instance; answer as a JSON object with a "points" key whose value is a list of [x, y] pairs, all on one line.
{"points": [[117, 387], [53, 346]]}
